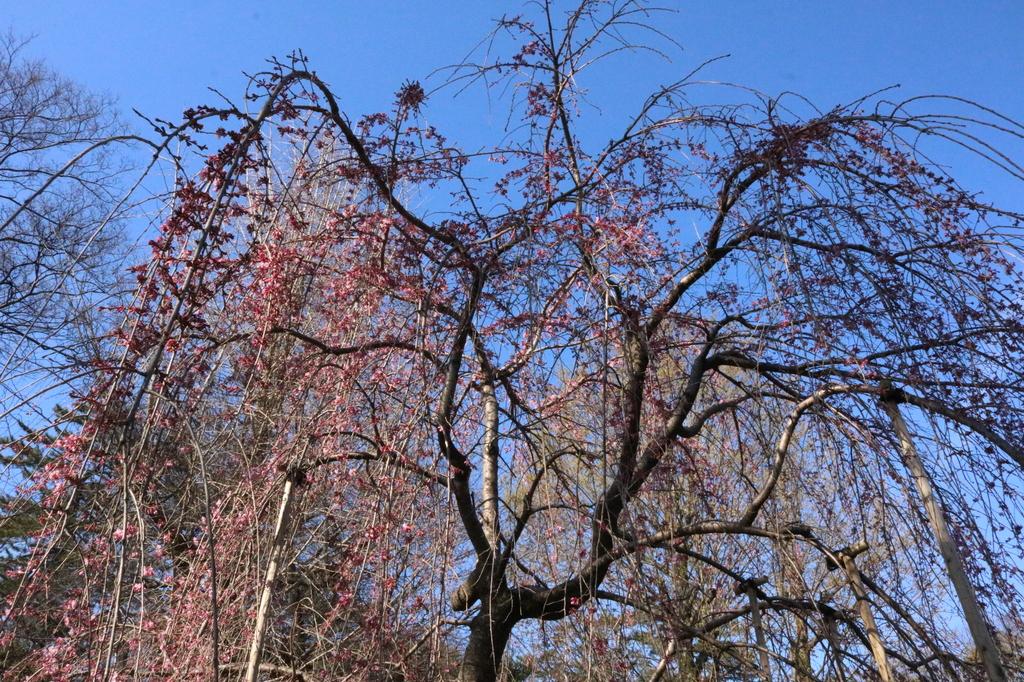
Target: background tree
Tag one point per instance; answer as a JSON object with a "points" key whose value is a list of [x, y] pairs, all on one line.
{"points": [[60, 240], [634, 394]]}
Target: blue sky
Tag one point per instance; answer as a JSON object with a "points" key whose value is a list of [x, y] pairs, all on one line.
{"points": [[161, 57]]}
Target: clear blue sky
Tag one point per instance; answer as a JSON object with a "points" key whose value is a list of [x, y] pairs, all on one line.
{"points": [[159, 57]]}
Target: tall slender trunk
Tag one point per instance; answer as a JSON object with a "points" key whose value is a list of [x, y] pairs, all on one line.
{"points": [[762, 643], [983, 640], [260, 629], [874, 639]]}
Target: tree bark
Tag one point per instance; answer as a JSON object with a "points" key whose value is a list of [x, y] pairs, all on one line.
{"points": [[874, 639], [488, 636], [983, 640], [490, 467], [762, 643], [832, 634], [663, 664], [260, 629]]}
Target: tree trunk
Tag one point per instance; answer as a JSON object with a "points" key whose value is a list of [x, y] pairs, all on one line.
{"points": [[488, 635], [260, 629], [762, 643], [663, 664], [874, 639], [983, 639], [832, 634]]}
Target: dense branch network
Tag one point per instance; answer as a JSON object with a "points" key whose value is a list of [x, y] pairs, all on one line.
{"points": [[629, 396]]}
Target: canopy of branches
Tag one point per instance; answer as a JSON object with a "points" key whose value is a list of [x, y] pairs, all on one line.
{"points": [[382, 407]]}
